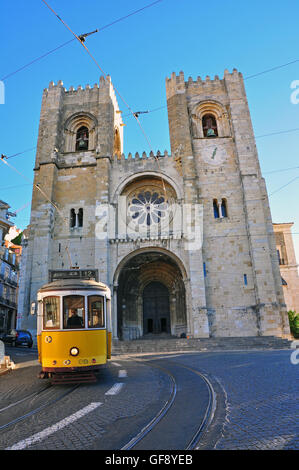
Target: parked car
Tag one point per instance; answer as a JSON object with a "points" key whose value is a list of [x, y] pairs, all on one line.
{"points": [[18, 338]]}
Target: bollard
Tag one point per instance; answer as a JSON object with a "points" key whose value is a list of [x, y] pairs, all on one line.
{"points": [[5, 361]]}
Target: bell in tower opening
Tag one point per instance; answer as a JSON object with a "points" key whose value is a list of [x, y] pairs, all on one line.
{"points": [[209, 125], [82, 138]]}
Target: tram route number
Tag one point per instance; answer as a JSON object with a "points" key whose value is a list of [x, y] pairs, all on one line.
{"points": [[86, 274], [154, 459]]}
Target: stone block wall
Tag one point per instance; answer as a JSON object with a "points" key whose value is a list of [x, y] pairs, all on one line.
{"points": [[231, 282]]}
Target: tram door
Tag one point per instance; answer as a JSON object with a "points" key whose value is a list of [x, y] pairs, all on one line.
{"points": [[156, 315]]}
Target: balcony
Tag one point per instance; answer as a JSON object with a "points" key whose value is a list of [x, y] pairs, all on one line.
{"points": [[7, 302], [7, 280], [9, 258]]}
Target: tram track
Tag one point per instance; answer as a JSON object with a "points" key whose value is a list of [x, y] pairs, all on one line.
{"points": [[37, 409], [186, 412], [207, 418], [209, 414], [18, 402], [162, 412]]}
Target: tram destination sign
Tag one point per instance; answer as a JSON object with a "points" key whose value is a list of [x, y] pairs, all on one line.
{"points": [[88, 274]]}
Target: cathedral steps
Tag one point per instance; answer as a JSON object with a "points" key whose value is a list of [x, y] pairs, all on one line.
{"points": [[199, 344]]}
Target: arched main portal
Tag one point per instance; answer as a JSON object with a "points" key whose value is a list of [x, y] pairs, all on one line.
{"points": [[150, 296]]}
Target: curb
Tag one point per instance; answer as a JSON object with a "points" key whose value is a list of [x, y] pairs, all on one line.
{"points": [[22, 365], [190, 351]]}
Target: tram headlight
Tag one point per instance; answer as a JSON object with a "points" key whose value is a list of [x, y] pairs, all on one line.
{"points": [[74, 351]]}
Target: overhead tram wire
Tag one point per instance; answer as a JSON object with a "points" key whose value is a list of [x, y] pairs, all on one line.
{"points": [[281, 187], [277, 133], [64, 220], [3, 160], [94, 60], [248, 78], [121, 19], [16, 186], [116, 90], [271, 70], [150, 111], [281, 170], [137, 114], [36, 60], [19, 153], [82, 35], [82, 40], [147, 112], [266, 172], [228, 235]]}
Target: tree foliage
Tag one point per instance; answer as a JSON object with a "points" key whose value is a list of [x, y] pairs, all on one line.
{"points": [[294, 323]]}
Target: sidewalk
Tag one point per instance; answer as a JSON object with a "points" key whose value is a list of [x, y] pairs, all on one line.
{"points": [[8, 365]]}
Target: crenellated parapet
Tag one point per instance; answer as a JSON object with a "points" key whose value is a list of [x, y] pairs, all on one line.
{"points": [[176, 84], [99, 92], [105, 83], [65, 111], [138, 157]]}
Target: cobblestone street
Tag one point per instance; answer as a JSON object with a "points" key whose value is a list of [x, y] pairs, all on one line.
{"points": [[256, 394], [262, 397]]}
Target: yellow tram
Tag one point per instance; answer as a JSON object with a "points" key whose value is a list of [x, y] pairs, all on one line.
{"points": [[73, 328]]}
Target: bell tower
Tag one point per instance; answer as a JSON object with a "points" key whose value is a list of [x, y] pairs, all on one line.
{"points": [[79, 131], [182, 151], [211, 136]]}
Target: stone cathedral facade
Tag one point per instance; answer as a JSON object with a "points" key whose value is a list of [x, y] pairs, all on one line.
{"points": [[130, 217]]}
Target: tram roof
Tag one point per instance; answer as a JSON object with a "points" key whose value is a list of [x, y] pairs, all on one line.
{"points": [[70, 284]]}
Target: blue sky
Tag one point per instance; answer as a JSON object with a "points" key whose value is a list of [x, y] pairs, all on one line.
{"points": [[197, 37]]}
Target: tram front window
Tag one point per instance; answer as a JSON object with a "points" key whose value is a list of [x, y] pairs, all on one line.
{"points": [[73, 311], [96, 311], [51, 313]]}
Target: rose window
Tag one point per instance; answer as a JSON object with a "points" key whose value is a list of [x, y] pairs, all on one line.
{"points": [[148, 207]]}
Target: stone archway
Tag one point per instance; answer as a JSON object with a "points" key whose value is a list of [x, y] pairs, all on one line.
{"points": [[150, 296]]}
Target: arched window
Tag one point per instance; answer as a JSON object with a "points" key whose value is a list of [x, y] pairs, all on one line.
{"points": [[80, 132], [216, 209], [220, 208], [224, 208], [209, 125], [82, 138], [76, 218], [73, 218], [80, 217]]}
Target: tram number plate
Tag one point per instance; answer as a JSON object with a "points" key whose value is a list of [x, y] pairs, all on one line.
{"points": [[73, 274], [83, 361]]}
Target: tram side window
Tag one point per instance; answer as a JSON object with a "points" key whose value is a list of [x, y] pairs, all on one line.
{"points": [[73, 311], [51, 313], [96, 311], [108, 314]]}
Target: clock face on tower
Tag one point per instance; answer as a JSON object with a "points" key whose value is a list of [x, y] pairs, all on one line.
{"points": [[214, 154]]}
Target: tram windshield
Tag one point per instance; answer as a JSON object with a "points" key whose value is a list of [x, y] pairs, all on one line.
{"points": [[96, 311], [51, 317], [73, 311]]}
